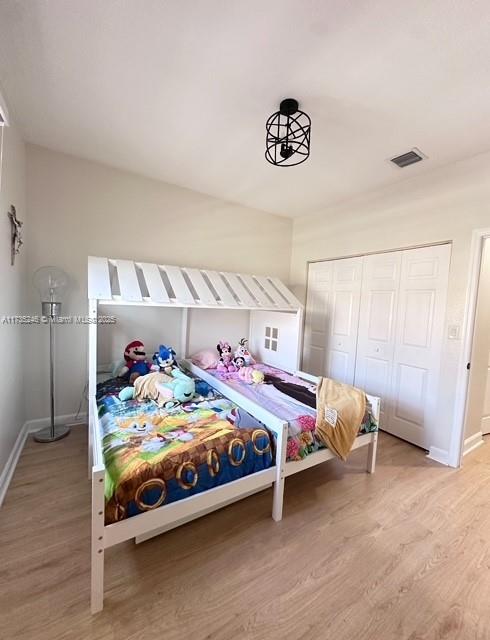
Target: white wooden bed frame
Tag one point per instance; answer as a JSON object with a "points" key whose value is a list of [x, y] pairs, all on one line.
{"points": [[234, 291]]}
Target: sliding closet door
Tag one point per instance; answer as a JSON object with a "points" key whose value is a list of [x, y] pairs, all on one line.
{"points": [[419, 338], [332, 317], [377, 323]]}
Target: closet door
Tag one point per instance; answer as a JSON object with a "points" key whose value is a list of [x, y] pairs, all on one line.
{"points": [[377, 323], [419, 337], [343, 319], [332, 317], [320, 276]]}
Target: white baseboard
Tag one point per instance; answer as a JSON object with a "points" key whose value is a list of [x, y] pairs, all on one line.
{"points": [[439, 455], [30, 427], [69, 418], [473, 442], [485, 425], [8, 470]]}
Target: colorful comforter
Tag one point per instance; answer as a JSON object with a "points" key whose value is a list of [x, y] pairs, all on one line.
{"points": [[300, 417], [155, 456]]}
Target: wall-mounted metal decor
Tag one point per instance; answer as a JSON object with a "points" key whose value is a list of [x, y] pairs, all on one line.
{"points": [[288, 135], [15, 234]]}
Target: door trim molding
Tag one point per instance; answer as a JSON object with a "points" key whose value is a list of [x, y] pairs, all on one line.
{"points": [[439, 455], [460, 405], [378, 252]]}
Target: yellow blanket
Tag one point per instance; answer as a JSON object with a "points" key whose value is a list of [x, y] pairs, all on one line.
{"points": [[340, 411]]}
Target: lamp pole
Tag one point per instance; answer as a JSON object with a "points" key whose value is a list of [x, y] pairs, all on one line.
{"points": [[51, 310]]}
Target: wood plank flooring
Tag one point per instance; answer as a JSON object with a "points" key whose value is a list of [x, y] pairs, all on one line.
{"points": [[403, 554]]}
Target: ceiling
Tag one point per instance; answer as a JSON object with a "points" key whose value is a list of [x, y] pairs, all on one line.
{"points": [[180, 90]]}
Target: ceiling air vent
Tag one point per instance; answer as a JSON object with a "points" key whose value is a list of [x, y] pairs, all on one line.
{"points": [[406, 159]]}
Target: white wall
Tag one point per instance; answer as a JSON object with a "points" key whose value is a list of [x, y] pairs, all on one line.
{"points": [[478, 410], [12, 290], [444, 204], [78, 208]]}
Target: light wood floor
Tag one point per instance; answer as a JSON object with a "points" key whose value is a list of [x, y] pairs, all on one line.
{"points": [[403, 554]]}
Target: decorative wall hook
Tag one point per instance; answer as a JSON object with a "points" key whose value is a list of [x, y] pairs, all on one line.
{"points": [[15, 234]]}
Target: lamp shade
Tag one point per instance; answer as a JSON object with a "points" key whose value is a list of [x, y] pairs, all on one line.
{"points": [[51, 284]]}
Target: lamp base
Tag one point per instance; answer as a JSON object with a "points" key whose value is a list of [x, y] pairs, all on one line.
{"points": [[44, 435]]}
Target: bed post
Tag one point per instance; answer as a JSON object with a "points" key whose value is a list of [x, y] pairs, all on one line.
{"points": [[96, 470], [281, 449], [97, 565], [372, 449], [92, 377], [373, 445], [299, 353], [184, 333]]}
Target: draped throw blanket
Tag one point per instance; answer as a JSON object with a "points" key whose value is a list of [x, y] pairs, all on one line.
{"points": [[340, 411]]}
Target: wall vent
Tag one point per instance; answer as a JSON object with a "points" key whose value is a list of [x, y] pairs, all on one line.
{"points": [[406, 159]]}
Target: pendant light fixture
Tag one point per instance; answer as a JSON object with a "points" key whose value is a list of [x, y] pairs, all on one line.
{"points": [[288, 135]]}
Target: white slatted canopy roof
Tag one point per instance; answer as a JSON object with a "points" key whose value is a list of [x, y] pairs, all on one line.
{"points": [[124, 282]]}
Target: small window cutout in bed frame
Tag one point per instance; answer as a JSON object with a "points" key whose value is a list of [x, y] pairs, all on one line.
{"points": [[271, 338]]}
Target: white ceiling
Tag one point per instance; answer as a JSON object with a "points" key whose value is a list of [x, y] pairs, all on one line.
{"points": [[180, 90]]}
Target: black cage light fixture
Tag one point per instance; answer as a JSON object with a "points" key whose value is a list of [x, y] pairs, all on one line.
{"points": [[288, 135]]}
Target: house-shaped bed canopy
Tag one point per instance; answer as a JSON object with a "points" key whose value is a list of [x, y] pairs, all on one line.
{"points": [[275, 314], [112, 281]]}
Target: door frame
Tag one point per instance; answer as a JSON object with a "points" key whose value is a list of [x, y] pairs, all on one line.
{"points": [[462, 388]]}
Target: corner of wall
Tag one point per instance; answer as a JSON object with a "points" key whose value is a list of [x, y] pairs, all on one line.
{"points": [[12, 303]]}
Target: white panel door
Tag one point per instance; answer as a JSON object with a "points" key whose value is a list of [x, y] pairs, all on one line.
{"points": [[320, 277], [332, 316], [343, 319], [377, 324], [419, 337]]}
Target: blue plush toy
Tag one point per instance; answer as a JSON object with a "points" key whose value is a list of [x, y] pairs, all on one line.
{"points": [[164, 359], [203, 388], [179, 390]]}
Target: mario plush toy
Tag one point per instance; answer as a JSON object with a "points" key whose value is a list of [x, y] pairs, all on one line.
{"points": [[136, 362]]}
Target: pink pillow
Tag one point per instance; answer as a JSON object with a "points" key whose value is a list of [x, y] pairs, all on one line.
{"points": [[206, 359]]}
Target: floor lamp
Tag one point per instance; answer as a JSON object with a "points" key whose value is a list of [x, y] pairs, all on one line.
{"points": [[51, 284]]}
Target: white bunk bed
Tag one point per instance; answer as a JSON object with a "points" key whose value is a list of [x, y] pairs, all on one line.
{"points": [[270, 304]]}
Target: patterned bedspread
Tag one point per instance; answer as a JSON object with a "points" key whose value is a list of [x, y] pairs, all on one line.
{"points": [[155, 456], [300, 417]]}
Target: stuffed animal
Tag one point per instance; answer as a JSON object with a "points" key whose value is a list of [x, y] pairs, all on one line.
{"points": [[203, 389], [166, 390], [136, 362], [225, 362], [249, 375], [239, 362], [180, 389], [243, 357], [164, 359]]}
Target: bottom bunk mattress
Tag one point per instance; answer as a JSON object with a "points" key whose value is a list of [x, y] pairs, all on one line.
{"points": [[293, 400], [155, 456]]}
